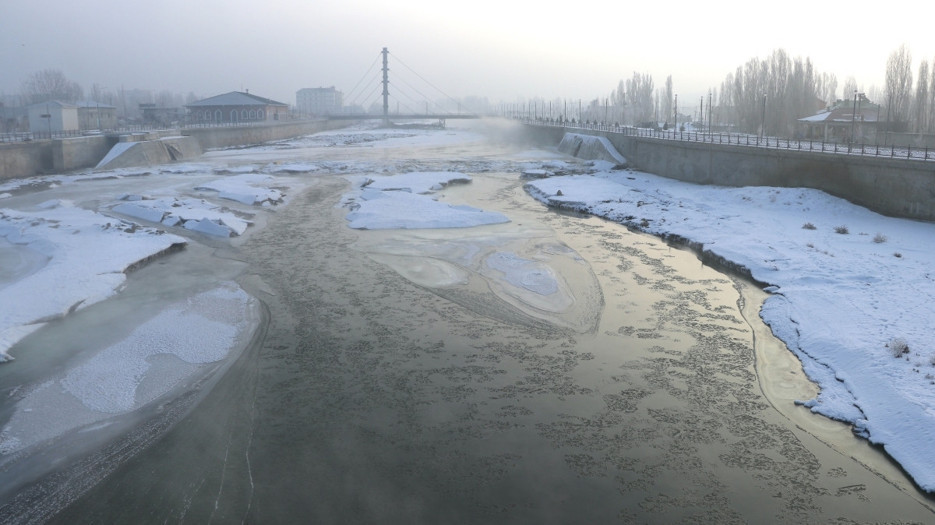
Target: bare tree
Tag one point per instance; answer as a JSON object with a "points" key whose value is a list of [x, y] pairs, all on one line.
{"points": [[921, 101], [667, 99], [726, 113], [898, 88], [770, 95], [850, 87], [640, 98], [828, 88], [102, 95], [752, 93], [931, 103], [618, 98], [49, 84]]}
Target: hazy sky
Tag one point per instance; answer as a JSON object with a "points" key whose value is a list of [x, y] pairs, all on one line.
{"points": [[504, 50]]}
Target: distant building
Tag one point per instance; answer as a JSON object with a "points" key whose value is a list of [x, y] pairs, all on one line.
{"points": [[236, 107], [12, 119], [154, 115], [52, 116], [318, 101], [94, 115], [846, 120]]}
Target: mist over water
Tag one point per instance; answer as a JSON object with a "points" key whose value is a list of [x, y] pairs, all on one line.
{"points": [[405, 376]]}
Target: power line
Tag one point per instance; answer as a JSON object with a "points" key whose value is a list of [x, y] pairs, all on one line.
{"points": [[370, 85], [450, 98], [366, 74]]}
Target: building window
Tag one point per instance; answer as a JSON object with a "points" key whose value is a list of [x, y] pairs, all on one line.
{"points": [[217, 115]]}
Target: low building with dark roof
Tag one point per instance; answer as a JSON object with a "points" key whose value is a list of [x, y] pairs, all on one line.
{"points": [[236, 107], [846, 121]]}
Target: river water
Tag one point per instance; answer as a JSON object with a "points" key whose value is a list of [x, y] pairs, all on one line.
{"points": [[395, 380]]}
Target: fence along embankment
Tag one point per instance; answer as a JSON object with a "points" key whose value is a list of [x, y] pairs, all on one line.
{"points": [[26, 159], [890, 186]]}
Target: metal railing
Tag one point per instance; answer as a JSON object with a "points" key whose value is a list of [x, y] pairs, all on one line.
{"points": [[29, 136], [745, 139]]}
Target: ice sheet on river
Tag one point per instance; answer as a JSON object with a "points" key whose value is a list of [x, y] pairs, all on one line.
{"points": [[515, 273], [171, 348], [404, 201], [68, 262]]}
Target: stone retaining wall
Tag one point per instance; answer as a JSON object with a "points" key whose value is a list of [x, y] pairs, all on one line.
{"points": [[25, 159], [212, 138], [895, 187]]}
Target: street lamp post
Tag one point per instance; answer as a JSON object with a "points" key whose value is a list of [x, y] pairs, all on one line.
{"points": [[48, 116], [674, 129], [763, 119]]}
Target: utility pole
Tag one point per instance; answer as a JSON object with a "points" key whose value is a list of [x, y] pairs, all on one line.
{"points": [[763, 119], [676, 113], [710, 113], [386, 88]]}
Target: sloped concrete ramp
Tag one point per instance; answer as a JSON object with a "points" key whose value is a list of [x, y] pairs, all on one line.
{"points": [[150, 152], [589, 147]]}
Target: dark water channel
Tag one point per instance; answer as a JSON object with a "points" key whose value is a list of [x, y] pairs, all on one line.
{"points": [[379, 394]]}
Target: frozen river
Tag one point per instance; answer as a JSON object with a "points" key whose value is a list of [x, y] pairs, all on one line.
{"points": [[550, 368]]}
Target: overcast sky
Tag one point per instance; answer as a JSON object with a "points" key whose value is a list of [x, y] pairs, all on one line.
{"points": [[504, 50]]}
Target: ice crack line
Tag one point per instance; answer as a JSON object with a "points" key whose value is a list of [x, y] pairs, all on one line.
{"points": [[217, 500], [247, 457]]}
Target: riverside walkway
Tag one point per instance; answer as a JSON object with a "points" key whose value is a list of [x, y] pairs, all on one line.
{"points": [[743, 139]]}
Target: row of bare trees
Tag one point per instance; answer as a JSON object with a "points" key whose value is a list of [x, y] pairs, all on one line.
{"points": [[52, 84], [769, 95], [911, 108], [49, 84]]}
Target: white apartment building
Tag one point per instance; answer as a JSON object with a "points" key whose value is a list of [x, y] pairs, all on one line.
{"points": [[318, 101]]}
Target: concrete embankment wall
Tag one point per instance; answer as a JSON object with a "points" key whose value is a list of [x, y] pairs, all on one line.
{"points": [[25, 159], [211, 138], [80, 152], [590, 147], [126, 154], [895, 187]]}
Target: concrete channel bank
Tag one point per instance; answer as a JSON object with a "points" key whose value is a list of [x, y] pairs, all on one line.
{"points": [[25, 159], [890, 186]]}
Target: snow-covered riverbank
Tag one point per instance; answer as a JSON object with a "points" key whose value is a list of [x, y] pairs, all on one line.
{"points": [[851, 289]]}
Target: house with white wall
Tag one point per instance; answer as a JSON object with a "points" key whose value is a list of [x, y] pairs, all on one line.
{"points": [[53, 116]]}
